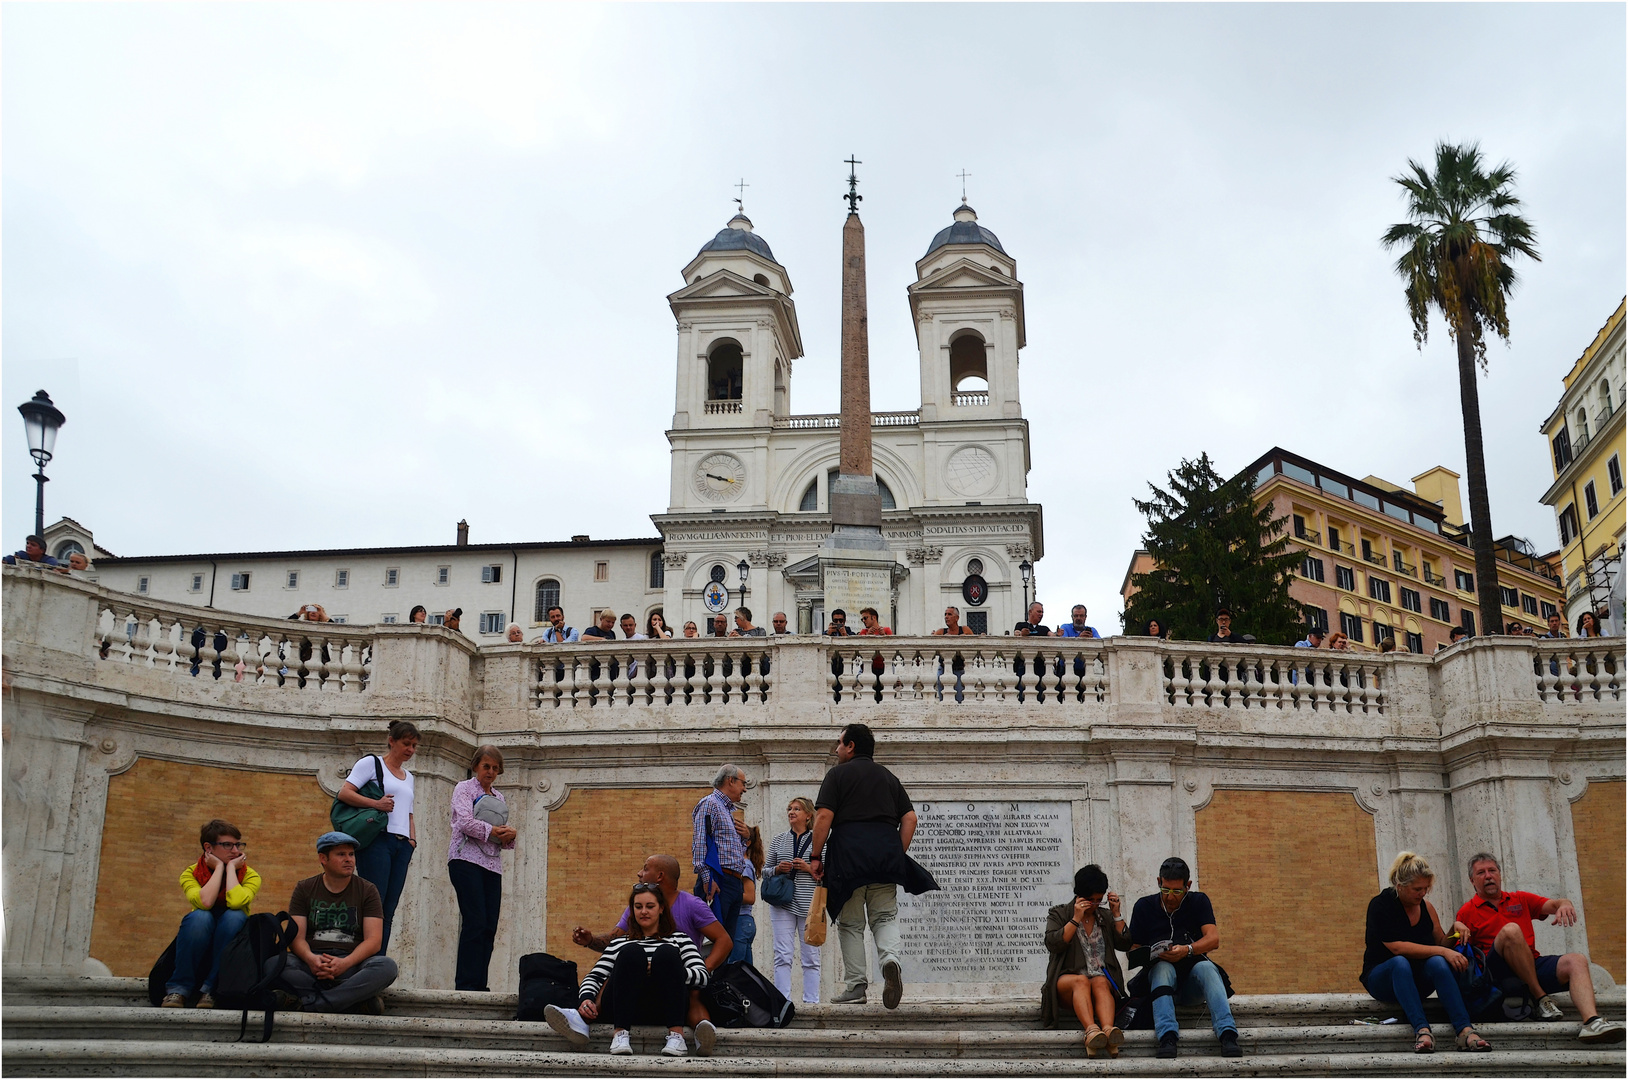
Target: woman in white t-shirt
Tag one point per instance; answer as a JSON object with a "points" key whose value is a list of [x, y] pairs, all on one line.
{"points": [[384, 862]]}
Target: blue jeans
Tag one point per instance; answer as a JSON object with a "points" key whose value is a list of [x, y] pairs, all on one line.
{"points": [[200, 941], [384, 863], [745, 933], [1398, 980], [727, 904], [1204, 981]]}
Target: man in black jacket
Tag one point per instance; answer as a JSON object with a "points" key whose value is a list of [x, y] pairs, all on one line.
{"points": [[869, 820]]}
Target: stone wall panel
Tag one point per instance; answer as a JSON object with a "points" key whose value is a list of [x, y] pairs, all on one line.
{"points": [[1598, 823]]}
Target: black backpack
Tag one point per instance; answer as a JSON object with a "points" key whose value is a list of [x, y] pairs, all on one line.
{"points": [[739, 996], [545, 980], [158, 979], [244, 982]]}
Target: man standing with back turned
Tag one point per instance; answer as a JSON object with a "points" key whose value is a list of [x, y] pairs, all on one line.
{"points": [[869, 820]]}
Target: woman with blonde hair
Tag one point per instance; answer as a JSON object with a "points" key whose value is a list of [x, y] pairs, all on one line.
{"points": [[789, 856], [1408, 954]]}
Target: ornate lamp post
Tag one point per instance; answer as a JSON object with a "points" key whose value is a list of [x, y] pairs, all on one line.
{"points": [[745, 571], [1026, 568], [41, 419]]}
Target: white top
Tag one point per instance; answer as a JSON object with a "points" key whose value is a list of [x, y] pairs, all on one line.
{"points": [[400, 790]]}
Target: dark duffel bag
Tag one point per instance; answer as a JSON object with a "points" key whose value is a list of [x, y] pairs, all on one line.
{"points": [[158, 979], [545, 980], [739, 996]]}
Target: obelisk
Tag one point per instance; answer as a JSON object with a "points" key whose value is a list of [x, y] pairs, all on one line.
{"points": [[856, 563]]}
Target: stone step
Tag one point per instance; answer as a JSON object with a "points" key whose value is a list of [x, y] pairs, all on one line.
{"points": [[1250, 1010], [67, 1057], [67, 1024]]}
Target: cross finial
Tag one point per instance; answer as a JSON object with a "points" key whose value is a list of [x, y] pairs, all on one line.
{"points": [[741, 187], [854, 197], [963, 174]]}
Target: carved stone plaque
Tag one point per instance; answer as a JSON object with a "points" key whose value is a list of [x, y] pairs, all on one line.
{"points": [[1000, 866]]}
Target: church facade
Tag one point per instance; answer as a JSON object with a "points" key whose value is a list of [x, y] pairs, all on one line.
{"points": [[749, 485]]}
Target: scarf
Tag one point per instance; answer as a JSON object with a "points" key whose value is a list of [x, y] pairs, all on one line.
{"points": [[202, 872]]}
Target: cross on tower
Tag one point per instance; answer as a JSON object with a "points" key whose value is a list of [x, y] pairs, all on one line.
{"points": [[741, 187], [963, 174], [854, 197]]}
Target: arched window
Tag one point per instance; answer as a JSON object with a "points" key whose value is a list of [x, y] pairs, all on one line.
{"points": [[66, 548], [760, 279], [782, 389], [724, 366], [969, 365], [658, 571], [811, 497], [548, 595]]}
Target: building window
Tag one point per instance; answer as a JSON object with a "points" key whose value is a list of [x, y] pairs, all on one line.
{"points": [[1529, 604], [389, 618], [341, 579], [443, 575], [1590, 501], [1345, 578], [141, 584], [811, 498], [197, 583], [1351, 626], [1410, 600], [293, 581], [978, 621], [492, 622], [1465, 582], [724, 369], [1300, 526], [338, 618], [1548, 609], [548, 595], [601, 571], [1440, 610], [1379, 590], [240, 582], [1316, 619], [1333, 538], [658, 571], [1415, 642], [1508, 597], [1368, 550], [1311, 569], [1613, 469], [1382, 632], [438, 620], [1562, 449], [1568, 525], [492, 574], [392, 577], [1466, 619]]}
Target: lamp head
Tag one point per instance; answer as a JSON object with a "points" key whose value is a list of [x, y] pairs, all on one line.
{"points": [[1026, 568], [744, 569], [41, 419]]}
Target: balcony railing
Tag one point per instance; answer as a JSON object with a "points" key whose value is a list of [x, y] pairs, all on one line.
{"points": [[833, 420], [1342, 548], [1310, 536], [717, 408], [1403, 567], [1375, 557], [1435, 579], [970, 397]]}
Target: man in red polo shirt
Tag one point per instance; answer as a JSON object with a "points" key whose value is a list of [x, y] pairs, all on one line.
{"points": [[1501, 923]]}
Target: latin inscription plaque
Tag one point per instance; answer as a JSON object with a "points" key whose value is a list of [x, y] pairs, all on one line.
{"points": [[1000, 866]]}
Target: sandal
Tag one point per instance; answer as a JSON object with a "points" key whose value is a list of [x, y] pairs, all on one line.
{"points": [[1095, 1040], [1468, 1039], [1424, 1042]]}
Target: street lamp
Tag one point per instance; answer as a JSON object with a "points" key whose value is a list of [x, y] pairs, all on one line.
{"points": [[41, 419], [745, 571], [1026, 568]]}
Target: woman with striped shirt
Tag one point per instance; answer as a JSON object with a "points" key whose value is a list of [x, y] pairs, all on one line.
{"points": [[789, 853], [645, 977]]}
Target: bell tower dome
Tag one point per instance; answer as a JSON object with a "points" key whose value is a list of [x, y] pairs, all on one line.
{"points": [[737, 333], [967, 304]]}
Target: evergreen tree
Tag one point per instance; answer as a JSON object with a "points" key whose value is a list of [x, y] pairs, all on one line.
{"points": [[1212, 547]]}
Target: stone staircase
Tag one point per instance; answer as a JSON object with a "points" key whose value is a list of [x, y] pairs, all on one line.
{"points": [[81, 1027]]}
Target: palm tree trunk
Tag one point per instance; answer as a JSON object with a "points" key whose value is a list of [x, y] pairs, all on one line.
{"points": [[1486, 565]]}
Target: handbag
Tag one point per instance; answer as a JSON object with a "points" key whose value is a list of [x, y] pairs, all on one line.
{"points": [[490, 809], [780, 890], [814, 928], [1475, 983], [362, 822]]}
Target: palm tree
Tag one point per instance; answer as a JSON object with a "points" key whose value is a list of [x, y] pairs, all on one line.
{"points": [[1461, 232]]}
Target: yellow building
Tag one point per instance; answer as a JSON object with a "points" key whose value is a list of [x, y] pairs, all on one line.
{"points": [[1585, 434], [1382, 561]]}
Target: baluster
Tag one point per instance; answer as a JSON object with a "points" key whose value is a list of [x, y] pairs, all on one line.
{"points": [[1376, 680], [662, 695], [230, 656], [690, 665], [972, 677], [163, 645], [143, 641], [350, 667], [1548, 675], [1001, 670], [623, 693], [567, 667], [544, 672], [765, 677], [1591, 688], [324, 660], [645, 694], [918, 687], [707, 668]]}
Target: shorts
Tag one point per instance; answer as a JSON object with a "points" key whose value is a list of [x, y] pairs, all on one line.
{"points": [[1548, 977]]}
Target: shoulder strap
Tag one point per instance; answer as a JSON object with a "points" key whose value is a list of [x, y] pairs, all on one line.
{"points": [[378, 771]]}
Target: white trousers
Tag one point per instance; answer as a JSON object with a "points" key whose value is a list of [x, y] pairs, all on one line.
{"points": [[788, 932]]}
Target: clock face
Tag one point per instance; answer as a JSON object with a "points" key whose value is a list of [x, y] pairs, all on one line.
{"points": [[720, 477]]}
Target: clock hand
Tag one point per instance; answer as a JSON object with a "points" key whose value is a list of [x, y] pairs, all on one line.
{"points": [[721, 479]]}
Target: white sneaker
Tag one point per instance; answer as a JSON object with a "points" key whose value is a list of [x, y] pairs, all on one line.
{"points": [[706, 1037], [1548, 1009], [676, 1046], [567, 1022], [620, 1044], [1600, 1029]]}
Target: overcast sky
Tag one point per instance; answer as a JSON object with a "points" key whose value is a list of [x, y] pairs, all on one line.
{"points": [[317, 275]]}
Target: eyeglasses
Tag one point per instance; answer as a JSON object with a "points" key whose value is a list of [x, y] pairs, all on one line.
{"points": [[1171, 892], [239, 846]]}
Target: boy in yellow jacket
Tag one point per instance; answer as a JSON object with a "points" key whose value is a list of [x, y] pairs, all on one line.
{"points": [[220, 886]]}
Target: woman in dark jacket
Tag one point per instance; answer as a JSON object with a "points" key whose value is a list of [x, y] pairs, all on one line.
{"points": [[1082, 937]]}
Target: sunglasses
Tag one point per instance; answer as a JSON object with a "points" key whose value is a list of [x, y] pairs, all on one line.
{"points": [[645, 886]]}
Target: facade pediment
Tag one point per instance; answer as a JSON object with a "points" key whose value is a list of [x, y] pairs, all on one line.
{"points": [[961, 274]]}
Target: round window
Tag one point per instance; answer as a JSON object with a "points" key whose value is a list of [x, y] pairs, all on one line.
{"points": [[718, 573], [975, 566]]}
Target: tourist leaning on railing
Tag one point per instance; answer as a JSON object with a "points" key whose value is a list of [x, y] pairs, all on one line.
{"points": [[1407, 954], [384, 861], [480, 835]]}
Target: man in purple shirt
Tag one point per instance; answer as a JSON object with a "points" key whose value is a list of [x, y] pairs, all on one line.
{"points": [[693, 918]]}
